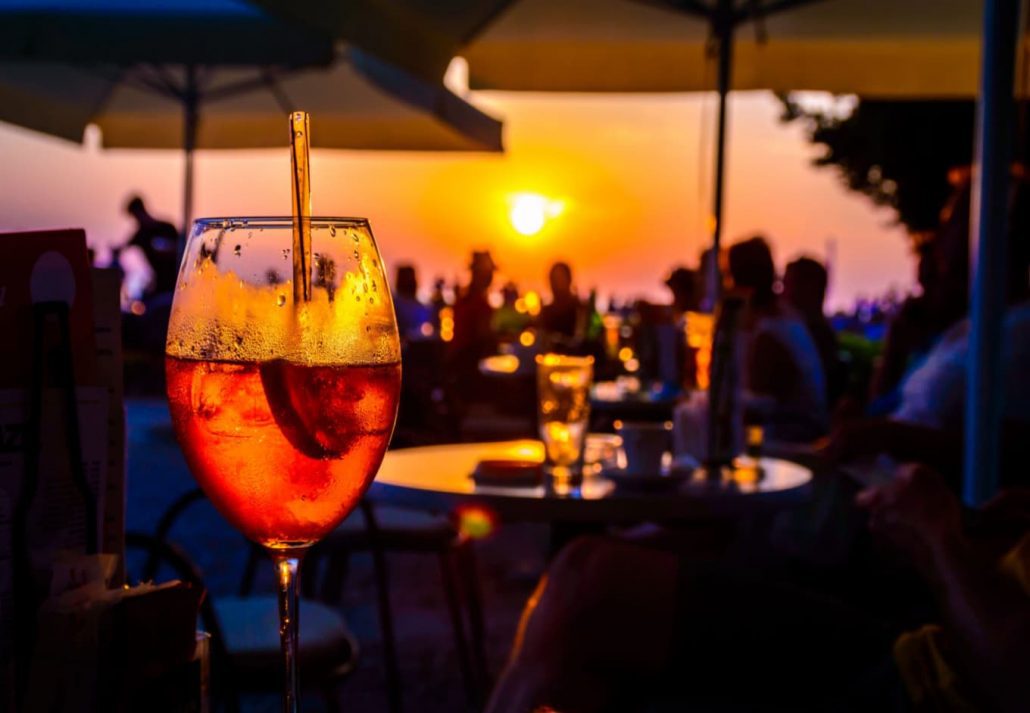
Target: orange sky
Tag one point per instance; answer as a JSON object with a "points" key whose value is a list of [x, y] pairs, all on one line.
{"points": [[632, 174]]}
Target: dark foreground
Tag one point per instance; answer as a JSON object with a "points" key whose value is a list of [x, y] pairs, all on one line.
{"points": [[510, 562]]}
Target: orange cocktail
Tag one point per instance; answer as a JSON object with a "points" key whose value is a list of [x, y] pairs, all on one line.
{"points": [[283, 407], [284, 451]]}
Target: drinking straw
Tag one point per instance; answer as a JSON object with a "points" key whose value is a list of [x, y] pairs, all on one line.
{"points": [[300, 134]]}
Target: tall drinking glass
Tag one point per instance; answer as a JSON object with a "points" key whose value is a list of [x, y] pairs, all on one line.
{"points": [[283, 408], [563, 397], [699, 328]]}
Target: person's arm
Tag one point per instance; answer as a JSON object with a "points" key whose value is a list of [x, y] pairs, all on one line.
{"points": [[901, 440], [987, 616], [941, 449], [896, 352], [986, 613]]}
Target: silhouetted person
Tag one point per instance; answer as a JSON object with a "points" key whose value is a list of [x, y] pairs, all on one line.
{"points": [[804, 289], [782, 363], [943, 275], [558, 317], [682, 282], [411, 313], [473, 336], [158, 240], [437, 301], [926, 424], [325, 276], [508, 321], [705, 290], [661, 346]]}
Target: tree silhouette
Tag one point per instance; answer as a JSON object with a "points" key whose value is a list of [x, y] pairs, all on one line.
{"points": [[898, 153]]}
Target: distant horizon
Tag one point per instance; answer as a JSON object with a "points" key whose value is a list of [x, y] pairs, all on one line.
{"points": [[629, 176]]}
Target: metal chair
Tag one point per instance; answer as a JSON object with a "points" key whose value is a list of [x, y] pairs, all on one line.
{"points": [[381, 530], [245, 630]]}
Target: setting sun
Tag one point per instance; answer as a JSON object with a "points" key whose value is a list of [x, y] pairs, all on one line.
{"points": [[531, 211]]}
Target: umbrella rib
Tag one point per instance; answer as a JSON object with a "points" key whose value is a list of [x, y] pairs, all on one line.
{"points": [[758, 11], [266, 78], [756, 8], [693, 7], [485, 22], [118, 77], [150, 78], [277, 91], [230, 90], [134, 76], [169, 82]]}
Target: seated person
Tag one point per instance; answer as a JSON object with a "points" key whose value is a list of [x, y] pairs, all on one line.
{"points": [[473, 335], [412, 315], [659, 332], [943, 275], [804, 289], [508, 320], [559, 317], [781, 361], [611, 623], [682, 284], [927, 423], [159, 241]]}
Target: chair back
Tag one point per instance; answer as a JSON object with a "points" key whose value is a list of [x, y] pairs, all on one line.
{"points": [[159, 554]]}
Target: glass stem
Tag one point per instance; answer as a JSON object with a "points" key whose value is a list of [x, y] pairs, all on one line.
{"points": [[287, 564]]}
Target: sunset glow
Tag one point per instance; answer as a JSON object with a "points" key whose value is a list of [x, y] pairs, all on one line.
{"points": [[623, 184], [531, 211]]}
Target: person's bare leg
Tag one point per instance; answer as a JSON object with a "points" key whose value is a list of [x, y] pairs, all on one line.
{"points": [[602, 615]]}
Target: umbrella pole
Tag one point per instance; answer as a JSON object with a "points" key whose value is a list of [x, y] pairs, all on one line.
{"points": [[190, 100], [723, 24], [996, 114]]}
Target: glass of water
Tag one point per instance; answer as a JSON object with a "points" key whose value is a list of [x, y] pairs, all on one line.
{"points": [[563, 398]]}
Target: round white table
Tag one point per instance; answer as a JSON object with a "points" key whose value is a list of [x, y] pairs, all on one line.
{"points": [[439, 478]]}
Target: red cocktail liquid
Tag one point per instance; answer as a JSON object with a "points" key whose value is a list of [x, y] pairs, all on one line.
{"points": [[284, 451]]}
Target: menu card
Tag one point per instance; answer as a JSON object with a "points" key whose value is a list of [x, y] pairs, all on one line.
{"points": [[52, 267], [44, 266], [107, 321]]}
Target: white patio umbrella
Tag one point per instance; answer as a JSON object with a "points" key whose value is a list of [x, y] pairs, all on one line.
{"points": [[418, 36], [401, 32], [882, 48], [213, 74], [358, 103]]}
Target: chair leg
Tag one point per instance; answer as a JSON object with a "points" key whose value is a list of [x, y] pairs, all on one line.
{"points": [[473, 692], [254, 554], [331, 698], [336, 571], [390, 661], [232, 702], [474, 596], [309, 574]]}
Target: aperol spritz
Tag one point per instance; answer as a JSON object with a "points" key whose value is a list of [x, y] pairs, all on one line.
{"points": [[284, 407]]}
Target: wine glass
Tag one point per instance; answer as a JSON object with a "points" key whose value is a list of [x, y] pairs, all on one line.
{"points": [[283, 407]]}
